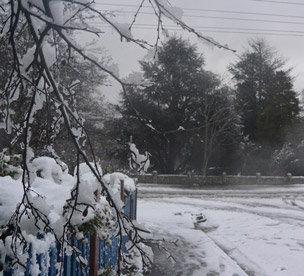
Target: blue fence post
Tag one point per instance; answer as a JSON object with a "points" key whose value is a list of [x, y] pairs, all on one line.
{"points": [[8, 270], [86, 255], [52, 268], [67, 265], [127, 206], [114, 254], [58, 257], [29, 260], [76, 263], [101, 254], [42, 258]]}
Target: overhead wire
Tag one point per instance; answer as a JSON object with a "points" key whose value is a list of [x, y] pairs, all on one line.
{"points": [[229, 18], [211, 10], [215, 30], [217, 27], [249, 31], [280, 2]]}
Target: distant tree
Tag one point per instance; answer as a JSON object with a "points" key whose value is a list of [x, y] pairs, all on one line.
{"points": [[265, 96], [279, 109], [289, 157], [221, 125], [184, 106]]}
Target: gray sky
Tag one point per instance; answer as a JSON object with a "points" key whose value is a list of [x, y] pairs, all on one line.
{"points": [[231, 22]]}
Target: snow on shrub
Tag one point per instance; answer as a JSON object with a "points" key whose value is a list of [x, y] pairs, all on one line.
{"points": [[48, 169], [114, 180], [137, 161], [50, 193]]}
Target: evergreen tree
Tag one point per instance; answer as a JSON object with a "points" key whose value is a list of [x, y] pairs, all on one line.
{"points": [[184, 105], [265, 96]]}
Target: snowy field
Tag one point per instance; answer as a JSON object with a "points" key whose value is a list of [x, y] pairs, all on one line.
{"points": [[256, 230]]}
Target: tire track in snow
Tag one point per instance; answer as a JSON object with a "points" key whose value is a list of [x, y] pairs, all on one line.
{"points": [[239, 259], [282, 218], [224, 195], [187, 260], [282, 207], [245, 264], [294, 201]]}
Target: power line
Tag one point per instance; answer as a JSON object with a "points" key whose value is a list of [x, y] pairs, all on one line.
{"points": [[212, 31], [230, 18], [251, 29], [216, 27], [280, 2], [211, 10]]}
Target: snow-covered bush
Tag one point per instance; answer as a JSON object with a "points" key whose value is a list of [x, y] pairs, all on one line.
{"points": [[50, 194], [289, 159]]}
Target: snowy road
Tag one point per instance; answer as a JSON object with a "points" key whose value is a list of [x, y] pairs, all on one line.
{"points": [[256, 230]]}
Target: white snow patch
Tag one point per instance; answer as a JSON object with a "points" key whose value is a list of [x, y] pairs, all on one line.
{"points": [[259, 231], [114, 180]]}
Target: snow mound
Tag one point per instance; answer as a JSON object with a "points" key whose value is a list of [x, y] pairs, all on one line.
{"points": [[114, 180], [47, 168], [201, 222], [50, 189], [85, 169]]}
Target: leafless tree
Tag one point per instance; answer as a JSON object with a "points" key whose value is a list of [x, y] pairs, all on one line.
{"points": [[220, 121]]}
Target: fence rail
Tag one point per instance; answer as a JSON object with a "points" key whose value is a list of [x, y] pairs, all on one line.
{"points": [[224, 179], [94, 250]]}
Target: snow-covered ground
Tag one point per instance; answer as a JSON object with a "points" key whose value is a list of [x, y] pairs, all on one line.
{"points": [[252, 230]]}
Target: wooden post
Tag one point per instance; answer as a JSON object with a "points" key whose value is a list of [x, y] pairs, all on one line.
{"points": [[135, 213], [289, 178], [258, 178], [122, 195], [154, 177], [94, 254], [94, 244], [224, 174]]}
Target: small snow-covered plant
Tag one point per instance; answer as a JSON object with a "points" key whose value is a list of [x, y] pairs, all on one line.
{"points": [[10, 165], [107, 271], [282, 159], [137, 161], [39, 39], [283, 154]]}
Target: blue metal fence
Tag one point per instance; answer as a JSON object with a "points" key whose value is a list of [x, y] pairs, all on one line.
{"points": [[107, 255]]}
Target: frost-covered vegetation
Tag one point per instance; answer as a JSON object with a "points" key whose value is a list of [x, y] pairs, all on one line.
{"points": [[44, 81], [51, 189]]}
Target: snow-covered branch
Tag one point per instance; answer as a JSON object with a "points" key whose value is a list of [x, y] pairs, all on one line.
{"points": [[40, 37]]}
